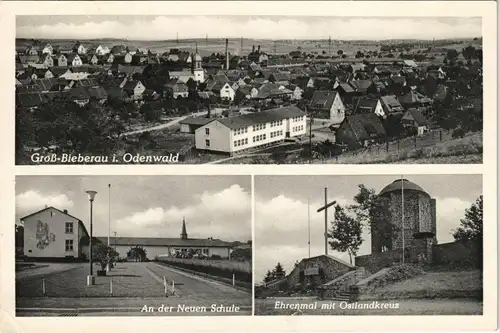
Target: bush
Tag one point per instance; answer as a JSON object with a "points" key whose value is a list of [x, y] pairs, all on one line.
{"points": [[458, 133]]}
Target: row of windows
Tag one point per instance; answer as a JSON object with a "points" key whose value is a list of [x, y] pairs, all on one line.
{"points": [[296, 119], [241, 130], [277, 133], [277, 123], [258, 138], [204, 251], [298, 128], [241, 142], [259, 127]]}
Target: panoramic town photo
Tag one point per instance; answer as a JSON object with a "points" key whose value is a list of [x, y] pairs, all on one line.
{"points": [[133, 245], [248, 90], [369, 245]]}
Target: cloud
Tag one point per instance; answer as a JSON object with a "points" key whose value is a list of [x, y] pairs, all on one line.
{"points": [[449, 211], [269, 27], [225, 214], [281, 230], [32, 200]]}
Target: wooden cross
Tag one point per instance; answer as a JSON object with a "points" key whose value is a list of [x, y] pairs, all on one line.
{"points": [[325, 208]]}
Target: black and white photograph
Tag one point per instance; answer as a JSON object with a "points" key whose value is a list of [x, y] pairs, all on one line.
{"points": [[369, 245], [133, 246], [248, 89]]}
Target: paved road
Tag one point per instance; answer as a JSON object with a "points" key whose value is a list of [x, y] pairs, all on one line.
{"points": [[165, 125], [128, 288], [46, 269]]}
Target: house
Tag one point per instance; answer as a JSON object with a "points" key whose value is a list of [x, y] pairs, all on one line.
{"points": [[101, 50], [268, 91], [176, 88], [390, 106], [329, 105], [240, 133], [369, 105], [414, 99], [118, 49], [97, 94], [60, 71], [47, 49], [108, 58], [414, 118], [78, 48], [158, 247], [46, 59], [360, 130], [32, 50], [191, 124], [30, 101], [296, 92], [227, 92], [134, 89], [74, 60], [28, 59], [60, 60], [53, 233], [79, 96], [346, 91], [93, 60], [122, 59]]}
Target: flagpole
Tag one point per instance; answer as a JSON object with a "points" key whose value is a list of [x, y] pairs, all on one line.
{"points": [[309, 227], [403, 216], [109, 214]]}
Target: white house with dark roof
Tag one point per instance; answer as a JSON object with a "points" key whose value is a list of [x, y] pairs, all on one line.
{"points": [[53, 233], [240, 133], [171, 246]]}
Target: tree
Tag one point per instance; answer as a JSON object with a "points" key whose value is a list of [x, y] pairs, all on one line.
{"points": [[340, 53], [372, 210], [279, 271], [269, 277], [345, 233], [104, 254], [137, 253], [471, 226]]}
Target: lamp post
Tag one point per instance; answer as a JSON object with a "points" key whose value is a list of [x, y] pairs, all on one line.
{"points": [[90, 278]]}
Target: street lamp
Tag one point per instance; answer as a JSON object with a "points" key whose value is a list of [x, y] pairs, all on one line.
{"points": [[90, 278]]}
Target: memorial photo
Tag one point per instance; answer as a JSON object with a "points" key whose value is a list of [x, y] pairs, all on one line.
{"points": [[369, 245]]}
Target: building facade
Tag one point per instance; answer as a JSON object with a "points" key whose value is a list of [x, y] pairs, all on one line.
{"points": [[53, 233], [240, 133]]}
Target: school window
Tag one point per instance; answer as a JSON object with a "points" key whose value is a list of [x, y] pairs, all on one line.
{"points": [[207, 143], [207, 131], [254, 139], [69, 245], [246, 140], [69, 227], [235, 143], [205, 251]]}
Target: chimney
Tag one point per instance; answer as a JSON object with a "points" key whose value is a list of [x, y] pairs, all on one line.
{"points": [[258, 49], [227, 54], [253, 48], [65, 211]]}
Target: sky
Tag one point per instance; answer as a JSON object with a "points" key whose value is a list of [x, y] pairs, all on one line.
{"points": [[257, 27], [281, 211], [147, 206]]}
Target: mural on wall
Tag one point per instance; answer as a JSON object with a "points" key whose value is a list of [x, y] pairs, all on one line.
{"points": [[43, 235]]}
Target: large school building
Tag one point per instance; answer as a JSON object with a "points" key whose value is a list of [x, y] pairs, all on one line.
{"points": [[240, 133]]}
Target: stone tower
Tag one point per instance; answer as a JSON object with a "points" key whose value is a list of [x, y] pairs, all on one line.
{"points": [[410, 206], [199, 74], [184, 234]]}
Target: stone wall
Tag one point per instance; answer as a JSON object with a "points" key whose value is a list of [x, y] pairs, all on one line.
{"points": [[377, 261], [330, 269], [465, 253]]}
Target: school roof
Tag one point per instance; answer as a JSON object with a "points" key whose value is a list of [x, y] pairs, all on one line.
{"points": [[158, 241], [262, 117]]}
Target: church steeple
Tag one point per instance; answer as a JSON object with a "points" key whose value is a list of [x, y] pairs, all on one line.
{"points": [[184, 234], [197, 69]]}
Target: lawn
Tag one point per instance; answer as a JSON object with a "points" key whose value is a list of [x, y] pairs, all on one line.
{"points": [[129, 280], [460, 284]]}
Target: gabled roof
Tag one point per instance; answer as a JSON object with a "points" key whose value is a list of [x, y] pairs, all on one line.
{"points": [[262, 117], [157, 241], [413, 97], [365, 126], [391, 103], [417, 116], [346, 87], [29, 100], [98, 93], [361, 85], [323, 99], [130, 85], [78, 93]]}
